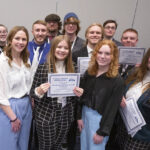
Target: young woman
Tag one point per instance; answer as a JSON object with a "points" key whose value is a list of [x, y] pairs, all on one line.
{"points": [[138, 88], [103, 90], [15, 83], [53, 116]]}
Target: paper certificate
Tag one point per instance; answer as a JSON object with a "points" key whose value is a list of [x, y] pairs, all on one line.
{"points": [[82, 64], [62, 84], [132, 116], [131, 55]]}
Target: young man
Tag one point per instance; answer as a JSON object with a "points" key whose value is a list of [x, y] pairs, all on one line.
{"points": [[93, 34], [39, 47], [3, 36], [110, 27], [129, 37], [54, 24], [71, 27]]}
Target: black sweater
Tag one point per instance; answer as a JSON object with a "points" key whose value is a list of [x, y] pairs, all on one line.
{"points": [[104, 95]]}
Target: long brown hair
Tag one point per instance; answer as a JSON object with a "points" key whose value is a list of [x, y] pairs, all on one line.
{"points": [[8, 49], [140, 72], [51, 59], [113, 67]]}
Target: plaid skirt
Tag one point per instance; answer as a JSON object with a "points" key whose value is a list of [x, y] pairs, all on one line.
{"points": [[126, 142]]}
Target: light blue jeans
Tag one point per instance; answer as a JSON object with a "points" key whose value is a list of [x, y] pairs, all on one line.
{"points": [[91, 120], [10, 140]]}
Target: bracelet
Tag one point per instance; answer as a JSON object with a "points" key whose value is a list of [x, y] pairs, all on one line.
{"points": [[14, 120]]}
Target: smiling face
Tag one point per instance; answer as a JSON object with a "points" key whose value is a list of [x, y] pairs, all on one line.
{"points": [[39, 32], [70, 28], [19, 42], [103, 57], [94, 35], [3, 34], [129, 39], [62, 50]]}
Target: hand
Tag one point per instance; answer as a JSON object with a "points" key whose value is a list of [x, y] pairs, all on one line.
{"points": [[123, 102], [78, 91], [137, 65], [43, 88], [80, 125], [16, 125], [97, 138]]}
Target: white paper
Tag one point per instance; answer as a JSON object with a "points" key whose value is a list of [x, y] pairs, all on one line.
{"points": [[132, 117], [83, 63], [62, 85], [131, 55]]}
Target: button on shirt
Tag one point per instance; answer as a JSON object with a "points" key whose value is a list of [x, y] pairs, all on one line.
{"points": [[15, 81]]}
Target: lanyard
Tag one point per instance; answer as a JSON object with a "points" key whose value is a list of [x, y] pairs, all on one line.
{"points": [[37, 51]]}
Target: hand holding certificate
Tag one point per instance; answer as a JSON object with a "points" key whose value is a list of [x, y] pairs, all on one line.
{"points": [[132, 117], [62, 84]]}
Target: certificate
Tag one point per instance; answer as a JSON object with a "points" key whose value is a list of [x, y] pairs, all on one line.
{"points": [[131, 55], [132, 117], [83, 63], [62, 84]]}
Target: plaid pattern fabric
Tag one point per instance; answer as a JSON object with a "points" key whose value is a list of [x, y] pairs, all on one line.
{"points": [[126, 142], [52, 120]]}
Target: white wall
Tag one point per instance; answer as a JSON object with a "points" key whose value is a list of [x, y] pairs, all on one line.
{"points": [[25, 12]]}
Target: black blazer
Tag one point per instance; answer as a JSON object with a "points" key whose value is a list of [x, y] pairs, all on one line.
{"points": [[83, 52]]}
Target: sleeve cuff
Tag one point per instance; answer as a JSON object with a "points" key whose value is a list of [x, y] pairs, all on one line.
{"points": [[37, 94], [4, 102]]}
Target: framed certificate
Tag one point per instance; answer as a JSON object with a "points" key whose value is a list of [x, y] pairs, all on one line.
{"points": [[82, 64], [62, 84], [131, 55]]}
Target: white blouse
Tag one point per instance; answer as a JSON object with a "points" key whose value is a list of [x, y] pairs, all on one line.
{"points": [[136, 91], [15, 81]]}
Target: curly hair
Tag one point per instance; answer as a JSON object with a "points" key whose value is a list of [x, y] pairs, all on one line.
{"points": [[140, 72], [113, 67], [8, 49], [51, 59]]}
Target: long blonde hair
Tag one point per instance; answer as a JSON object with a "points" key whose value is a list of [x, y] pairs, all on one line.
{"points": [[51, 59]]}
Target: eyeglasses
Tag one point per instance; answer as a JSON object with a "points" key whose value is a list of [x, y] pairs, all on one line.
{"points": [[72, 23], [3, 32], [109, 27]]}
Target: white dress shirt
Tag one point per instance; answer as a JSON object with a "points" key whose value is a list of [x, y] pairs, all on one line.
{"points": [[15, 81], [90, 50]]}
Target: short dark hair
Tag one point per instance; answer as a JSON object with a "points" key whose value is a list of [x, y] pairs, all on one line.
{"points": [[110, 21]]}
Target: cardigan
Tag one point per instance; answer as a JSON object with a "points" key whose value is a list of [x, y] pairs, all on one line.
{"points": [[104, 95]]}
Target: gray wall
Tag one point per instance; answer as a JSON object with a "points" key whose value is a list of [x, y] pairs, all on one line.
{"points": [[25, 12]]}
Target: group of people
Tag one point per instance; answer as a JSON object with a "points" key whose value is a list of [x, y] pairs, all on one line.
{"points": [[32, 120]]}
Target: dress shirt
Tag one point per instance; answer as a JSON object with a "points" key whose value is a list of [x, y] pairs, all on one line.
{"points": [[15, 81], [90, 50]]}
